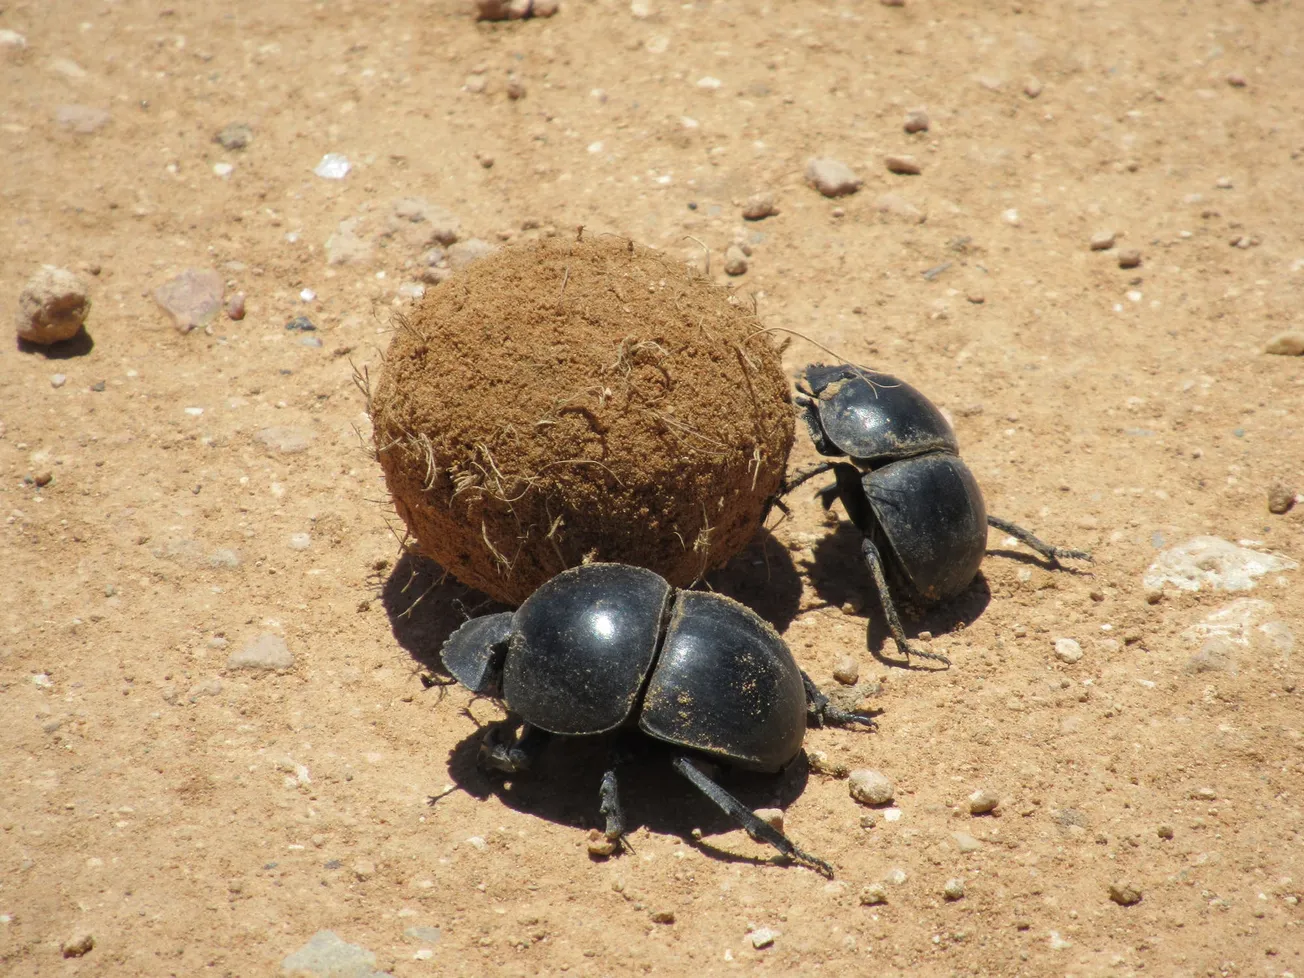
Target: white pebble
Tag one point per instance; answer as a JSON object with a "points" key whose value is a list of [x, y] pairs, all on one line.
{"points": [[307, 295], [1011, 217], [762, 937], [1067, 650], [300, 541], [333, 166], [58, 380], [954, 889], [1103, 240], [709, 82], [223, 170]]}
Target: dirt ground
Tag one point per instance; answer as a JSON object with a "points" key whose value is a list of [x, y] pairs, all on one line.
{"points": [[197, 818]]}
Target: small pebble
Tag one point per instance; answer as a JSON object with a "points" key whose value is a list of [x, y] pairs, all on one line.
{"points": [[235, 136], [1011, 217], [235, 307], [1032, 87], [773, 817], [1130, 258], [1280, 498], [223, 170], [917, 120], [735, 261], [1235, 79], [1067, 650], [763, 937], [966, 842], [663, 916], [759, 206], [52, 306], [1204, 794], [79, 945], [820, 762], [599, 845], [300, 541], [870, 787], [58, 380], [903, 164], [873, 895], [333, 166], [364, 869], [1103, 240], [1164, 831], [868, 820], [893, 3], [43, 478], [192, 298], [832, 178], [301, 324], [1223, 183], [265, 651], [954, 889], [1125, 894], [977, 298], [515, 88], [1288, 344], [895, 205], [982, 801], [847, 671]]}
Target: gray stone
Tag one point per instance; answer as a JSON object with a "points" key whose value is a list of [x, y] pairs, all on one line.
{"points": [[52, 306], [79, 945], [192, 298], [286, 439], [917, 121], [300, 541], [266, 651], [1287, 344], [347, 245], [1212, 562], [1281, 498], [1230, 631], [873, 895], [954, 889], [424, 935], [236, 136], [326, 955], [735, 261], [1131, 258], [1068, 650], [903, 165], [1125, 893], [966, 842], [763, 937], [209, 687], [894, 205], [463, 253], [81, 119], [224, 558], [1103, 240], [832, 178], [870, 787], [847, 671], [759, 206]]}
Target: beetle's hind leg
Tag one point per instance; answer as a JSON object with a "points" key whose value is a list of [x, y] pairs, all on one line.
{"points": [[744, 816], [874, 561], [497, 753], [820, 711], [1045, 549], [609, 806]]}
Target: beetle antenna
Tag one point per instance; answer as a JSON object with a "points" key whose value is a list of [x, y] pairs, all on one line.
{"points": [[863, 372]]}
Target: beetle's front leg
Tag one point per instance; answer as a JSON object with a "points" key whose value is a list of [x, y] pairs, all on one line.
{"points": [[514, 755], [1045, 549]]}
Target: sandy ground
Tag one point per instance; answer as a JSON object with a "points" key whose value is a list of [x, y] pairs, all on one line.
{"points": [[200, 819]]}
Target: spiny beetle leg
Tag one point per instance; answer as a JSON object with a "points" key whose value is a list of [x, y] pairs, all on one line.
{"points": [[514, 756], [744, 816], [874, 561], [820, 711], [1045, 549]]}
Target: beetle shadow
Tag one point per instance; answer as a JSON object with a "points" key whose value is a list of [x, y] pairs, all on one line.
{"points": [[839, 576], [764, 578], [562, 787], [1037, 560], [425, 605]]}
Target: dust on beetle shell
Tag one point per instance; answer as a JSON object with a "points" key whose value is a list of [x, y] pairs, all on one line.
{"points": [[580, 399]]}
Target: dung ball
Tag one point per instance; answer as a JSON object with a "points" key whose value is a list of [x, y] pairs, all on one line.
{"points": [[570, 401], [52, 306]]}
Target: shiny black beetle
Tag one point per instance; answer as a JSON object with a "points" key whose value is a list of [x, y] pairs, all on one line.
{"points": [[904, 486], [611, 647]]}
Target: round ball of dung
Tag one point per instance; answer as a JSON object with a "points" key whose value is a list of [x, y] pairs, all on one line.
{"points": [[580, 400]]}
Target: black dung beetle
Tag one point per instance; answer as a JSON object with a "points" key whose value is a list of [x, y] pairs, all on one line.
{"points": [[612, 647], [904, 486]]}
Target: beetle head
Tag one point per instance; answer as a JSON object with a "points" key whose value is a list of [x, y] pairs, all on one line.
{"points": [[474, 654]]}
